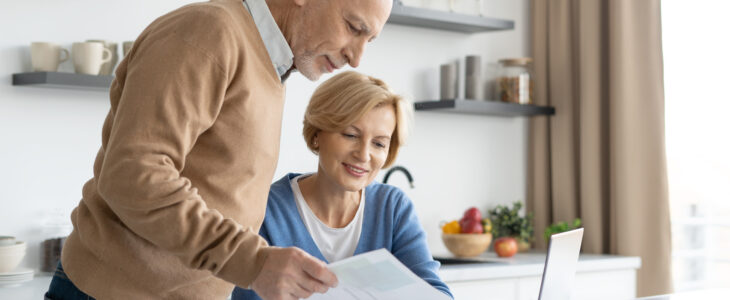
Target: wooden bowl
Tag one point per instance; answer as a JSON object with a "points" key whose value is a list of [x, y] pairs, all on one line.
{"points": [[467, 244]]}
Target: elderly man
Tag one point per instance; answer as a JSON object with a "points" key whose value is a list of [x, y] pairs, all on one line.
{"points": [[190, 146]]}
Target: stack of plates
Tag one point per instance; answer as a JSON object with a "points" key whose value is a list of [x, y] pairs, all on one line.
{"points": [[16, 277]]}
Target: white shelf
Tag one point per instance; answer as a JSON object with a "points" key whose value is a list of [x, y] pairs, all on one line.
{"points": [[442, 20]]}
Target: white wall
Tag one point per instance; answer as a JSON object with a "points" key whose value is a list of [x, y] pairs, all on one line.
{"points": [[49, 137]]}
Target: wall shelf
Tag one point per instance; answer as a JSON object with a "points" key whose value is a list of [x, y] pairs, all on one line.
{"points": [[482, 107], [64, 80], [443, 20]]}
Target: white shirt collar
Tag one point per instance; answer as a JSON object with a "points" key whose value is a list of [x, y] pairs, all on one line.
{"points": [[281, 55]]}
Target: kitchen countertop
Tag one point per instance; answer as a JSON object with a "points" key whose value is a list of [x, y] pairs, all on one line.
{"points": [[527, 264], [520, 265], [34, 289]]}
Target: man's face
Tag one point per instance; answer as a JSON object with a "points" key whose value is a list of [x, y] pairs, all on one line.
{"points": [[333, 33]]}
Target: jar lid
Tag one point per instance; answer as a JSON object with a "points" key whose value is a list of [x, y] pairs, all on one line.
{"points": [[520, 61]]}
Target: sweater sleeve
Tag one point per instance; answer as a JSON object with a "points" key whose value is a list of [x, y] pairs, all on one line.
{"points": [[245, 292], [410, 247], [173, 91]]}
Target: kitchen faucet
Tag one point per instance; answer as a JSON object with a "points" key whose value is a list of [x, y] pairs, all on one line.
{"points": [[398, 168]]}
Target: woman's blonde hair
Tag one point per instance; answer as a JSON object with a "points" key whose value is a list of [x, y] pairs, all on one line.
{"points": [[345, 98]]}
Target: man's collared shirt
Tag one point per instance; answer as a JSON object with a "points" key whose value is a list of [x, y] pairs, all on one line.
{"points": [[281, 55]]}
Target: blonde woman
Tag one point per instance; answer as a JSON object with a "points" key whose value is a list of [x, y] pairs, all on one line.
{"points": [[356, 126]]}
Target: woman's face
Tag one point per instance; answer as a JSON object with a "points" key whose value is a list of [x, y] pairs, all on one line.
{"points": [[353, 157]]}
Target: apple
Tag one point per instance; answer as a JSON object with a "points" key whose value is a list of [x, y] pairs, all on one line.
{"points": [[472, 213], [505, 246], [471, 226]]}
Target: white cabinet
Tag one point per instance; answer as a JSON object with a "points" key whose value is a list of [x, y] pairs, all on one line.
{"points": [[598, 277], [527, 288], [494, 289], [608, 285]]}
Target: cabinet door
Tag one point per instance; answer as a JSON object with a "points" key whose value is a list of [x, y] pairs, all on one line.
{"points": [[603, 285], [608, 285], [500, 289], [528, 288]]}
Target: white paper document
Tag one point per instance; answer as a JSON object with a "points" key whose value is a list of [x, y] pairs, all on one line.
{"points": [[377, 275]]}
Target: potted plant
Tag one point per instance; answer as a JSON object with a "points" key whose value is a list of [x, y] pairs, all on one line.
{"points": [[560, 227], [507, 222]]}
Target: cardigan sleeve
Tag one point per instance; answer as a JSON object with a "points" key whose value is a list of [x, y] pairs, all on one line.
{"points": [[410, 247], [173, 92]]}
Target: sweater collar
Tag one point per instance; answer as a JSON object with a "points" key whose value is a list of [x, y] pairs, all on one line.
{"points": [[280, 53]]}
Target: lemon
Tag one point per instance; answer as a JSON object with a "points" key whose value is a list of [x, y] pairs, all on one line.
{"points": [[452, 227]]}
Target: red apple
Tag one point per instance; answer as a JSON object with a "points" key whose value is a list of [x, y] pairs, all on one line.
{"points": [[505, 246], [471, 226], [462, 223], [472, 213]]}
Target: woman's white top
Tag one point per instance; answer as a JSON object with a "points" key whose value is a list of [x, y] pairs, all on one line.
{"points": [[334, 243]]}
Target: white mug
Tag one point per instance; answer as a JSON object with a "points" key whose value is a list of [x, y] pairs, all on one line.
{"points": [[88, 57], [108, 67], [45, 57]]}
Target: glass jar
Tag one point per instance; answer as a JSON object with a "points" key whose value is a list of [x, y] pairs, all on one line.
{"points": [[514, 80], [55, 227]]}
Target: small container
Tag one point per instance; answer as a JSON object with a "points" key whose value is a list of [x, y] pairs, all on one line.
{"points": [[448, 81], [514, 80], [51, 254], [55, 227], [473, 84]]}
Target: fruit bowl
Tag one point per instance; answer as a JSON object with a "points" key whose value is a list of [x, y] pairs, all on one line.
{"points": [[466, 244]]}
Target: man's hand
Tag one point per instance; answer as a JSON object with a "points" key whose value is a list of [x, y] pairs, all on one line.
{"points": [[290, 273]]}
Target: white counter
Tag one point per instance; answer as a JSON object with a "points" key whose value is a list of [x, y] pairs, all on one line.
{"points": [[598, 277], [34, 289], [528, 264]]}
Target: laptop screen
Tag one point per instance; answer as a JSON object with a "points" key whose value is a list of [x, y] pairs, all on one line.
{"points": [[560, 265]]}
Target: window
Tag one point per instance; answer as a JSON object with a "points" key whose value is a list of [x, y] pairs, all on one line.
{"points": [[697, 91]]}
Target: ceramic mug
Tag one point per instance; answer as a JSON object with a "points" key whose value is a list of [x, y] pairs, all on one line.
{"points": [[108, 67], [88, 57], [126, 46], [45, 57]]}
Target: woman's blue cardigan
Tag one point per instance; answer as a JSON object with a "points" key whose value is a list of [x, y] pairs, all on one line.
{"points": [[389, 222]]}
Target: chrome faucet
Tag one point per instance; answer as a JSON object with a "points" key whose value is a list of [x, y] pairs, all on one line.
{"points": [[402, 169]]}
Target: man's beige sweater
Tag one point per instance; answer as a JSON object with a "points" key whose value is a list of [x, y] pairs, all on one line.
{"points": [[189, 149]]}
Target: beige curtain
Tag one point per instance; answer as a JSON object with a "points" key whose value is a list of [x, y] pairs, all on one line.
{"points": [[602, 157]]}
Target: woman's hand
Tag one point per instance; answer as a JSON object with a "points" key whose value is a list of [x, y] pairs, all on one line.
{"points": [[291, 273]]}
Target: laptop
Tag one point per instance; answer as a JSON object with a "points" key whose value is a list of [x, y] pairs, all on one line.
{"points": [[560, 265]]}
